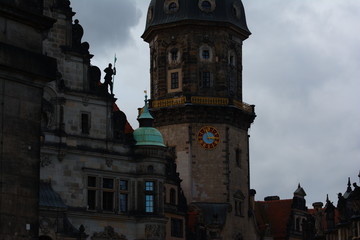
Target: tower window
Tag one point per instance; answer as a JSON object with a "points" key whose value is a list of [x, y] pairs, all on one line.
{"points": [[174, 80], [205, 54], [206, 79], [85, 123]]}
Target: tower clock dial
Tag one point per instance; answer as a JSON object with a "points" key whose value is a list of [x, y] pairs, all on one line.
{"points": [[208, 137]]}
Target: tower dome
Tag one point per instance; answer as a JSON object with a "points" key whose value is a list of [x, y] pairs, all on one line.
{"points": [[146, 134], [230, 12]]}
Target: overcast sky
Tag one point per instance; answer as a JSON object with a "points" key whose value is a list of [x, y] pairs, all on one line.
{"points": [[301, 70]]}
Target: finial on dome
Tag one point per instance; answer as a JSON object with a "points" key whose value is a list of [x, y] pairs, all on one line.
{"points": [[146, 96]]}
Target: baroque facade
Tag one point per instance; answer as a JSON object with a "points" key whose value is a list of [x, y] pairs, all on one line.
{"points": [[81, 171], [71, 165]]}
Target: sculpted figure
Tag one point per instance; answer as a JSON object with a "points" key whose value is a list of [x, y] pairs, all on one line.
{"points": [[108, 76]]}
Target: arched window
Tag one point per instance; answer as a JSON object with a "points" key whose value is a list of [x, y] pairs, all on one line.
{"points": [[172, 196]]}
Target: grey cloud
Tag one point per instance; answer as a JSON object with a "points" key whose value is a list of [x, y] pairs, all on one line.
{"points": [[106, 23], [301, 68]]}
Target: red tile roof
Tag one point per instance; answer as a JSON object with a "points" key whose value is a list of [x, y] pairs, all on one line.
{"points": [[128, 127], [274, 214]]}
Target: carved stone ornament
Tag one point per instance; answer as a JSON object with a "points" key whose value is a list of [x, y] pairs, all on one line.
{"points": [[45, 160], [109, 162], [154, 231], [107, 234]]}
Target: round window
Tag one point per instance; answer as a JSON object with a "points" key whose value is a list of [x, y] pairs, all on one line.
{"points": [[206, 5], [173, 7]]}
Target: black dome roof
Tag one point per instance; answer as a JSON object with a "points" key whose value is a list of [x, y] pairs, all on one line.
{"points": [[222, 11]]}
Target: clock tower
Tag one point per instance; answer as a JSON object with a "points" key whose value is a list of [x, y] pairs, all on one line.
{"points": [[197, 103]]}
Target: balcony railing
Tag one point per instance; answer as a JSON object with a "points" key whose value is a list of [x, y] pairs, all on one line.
{"points": [[196, 100]]}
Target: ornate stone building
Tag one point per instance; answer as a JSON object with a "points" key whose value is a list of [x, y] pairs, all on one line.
{"points": [[197, 102], [71, 165]]}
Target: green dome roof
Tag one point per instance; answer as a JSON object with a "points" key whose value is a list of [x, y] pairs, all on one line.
{"points": [[148, 136]]}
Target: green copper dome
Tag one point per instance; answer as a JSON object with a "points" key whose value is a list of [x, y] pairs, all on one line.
{"points": [[146, 134]]}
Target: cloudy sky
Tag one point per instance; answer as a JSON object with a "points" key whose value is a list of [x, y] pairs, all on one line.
{"points": [[301, 70]]}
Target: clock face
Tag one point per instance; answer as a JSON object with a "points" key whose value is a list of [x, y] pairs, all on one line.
{"points": [[208, 137]]}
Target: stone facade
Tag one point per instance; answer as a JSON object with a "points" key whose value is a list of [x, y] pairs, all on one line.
{"points": [[111, 188], [23, 73], [70, 167]]}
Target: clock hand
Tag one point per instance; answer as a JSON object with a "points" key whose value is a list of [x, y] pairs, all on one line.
{"points": [[212, 137]]}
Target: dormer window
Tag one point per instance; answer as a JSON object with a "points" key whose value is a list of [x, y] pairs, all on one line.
{"points": [[206, 5], [172, 7], [236, 10], [206, 79]]}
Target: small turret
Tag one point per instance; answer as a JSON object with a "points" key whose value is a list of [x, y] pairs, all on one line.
{"points": [[146, 134], [299, 198]]}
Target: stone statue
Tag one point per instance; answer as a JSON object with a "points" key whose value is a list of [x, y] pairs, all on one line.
{"points": [[108, 77], [77, 34], [341, 206]]}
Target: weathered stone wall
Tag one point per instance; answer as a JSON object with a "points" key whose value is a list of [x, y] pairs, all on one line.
{"points": [[23, 73], [190, 41]]}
